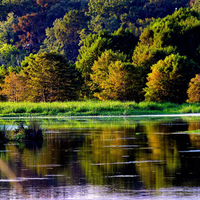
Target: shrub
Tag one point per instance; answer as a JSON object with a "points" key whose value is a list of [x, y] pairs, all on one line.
{"points": [[194, 90]]}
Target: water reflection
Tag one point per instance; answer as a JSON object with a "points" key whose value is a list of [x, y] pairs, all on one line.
{"points": [[128, 159]]}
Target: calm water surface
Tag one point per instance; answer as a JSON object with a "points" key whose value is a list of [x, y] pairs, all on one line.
{"points": [[97, 159]]}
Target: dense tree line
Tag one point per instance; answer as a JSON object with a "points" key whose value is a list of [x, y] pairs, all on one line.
{"points": [[61, 50]]}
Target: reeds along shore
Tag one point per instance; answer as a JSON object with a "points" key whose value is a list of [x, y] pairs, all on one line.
{"points": [[93, 108]]}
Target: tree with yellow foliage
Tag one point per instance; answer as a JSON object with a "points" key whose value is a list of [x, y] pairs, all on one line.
{"points": [[49, 77], [114, 79], [43, 77], [169, 79], [194, 90], [13, 87]]}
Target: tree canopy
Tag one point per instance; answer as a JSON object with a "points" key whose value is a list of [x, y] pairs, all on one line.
{"points": [[98, 49], [169, 79], [49, 78], [194, 90], [93, 45], [64, 35], [114, 79], [44, 77]]}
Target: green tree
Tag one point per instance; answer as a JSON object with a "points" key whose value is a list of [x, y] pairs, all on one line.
{"points": [[112, 79], [49, 78], [93, 45], [194, 90], [9, 55], [145, 56], [21, 7], [179, 32], [64, 35], [195, 5], [109, 15], [7, 35], [59, 9], [169, 79], [176, 33]]}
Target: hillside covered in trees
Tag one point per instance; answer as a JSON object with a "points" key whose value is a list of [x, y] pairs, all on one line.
{"points": [[62, 50]]}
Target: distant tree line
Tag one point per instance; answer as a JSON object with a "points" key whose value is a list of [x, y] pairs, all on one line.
{"points": [[62, 50]]}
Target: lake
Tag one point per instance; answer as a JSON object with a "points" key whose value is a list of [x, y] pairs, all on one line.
{"points": [[98, 158]]}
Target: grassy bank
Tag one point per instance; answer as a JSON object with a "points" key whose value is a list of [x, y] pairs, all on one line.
{"points": [[93, 108]]}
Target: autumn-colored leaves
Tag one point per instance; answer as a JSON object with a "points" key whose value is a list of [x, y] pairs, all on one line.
{"points": [[46, 77], [107, 65]]}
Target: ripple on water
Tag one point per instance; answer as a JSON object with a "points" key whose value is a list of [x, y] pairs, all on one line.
{"points": [[121, 146], [48, 165], [130, 162], [21, 179]]}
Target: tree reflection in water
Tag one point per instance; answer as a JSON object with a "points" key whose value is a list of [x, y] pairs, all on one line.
{"points": [[127, 157]]}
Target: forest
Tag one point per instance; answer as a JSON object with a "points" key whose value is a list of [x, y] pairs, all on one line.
{"points": [[67, 50]]}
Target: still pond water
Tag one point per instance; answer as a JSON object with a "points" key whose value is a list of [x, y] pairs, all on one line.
{"points": [[125, 158]]}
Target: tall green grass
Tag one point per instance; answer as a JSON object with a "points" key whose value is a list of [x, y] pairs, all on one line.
{"points": [[93, 108]]}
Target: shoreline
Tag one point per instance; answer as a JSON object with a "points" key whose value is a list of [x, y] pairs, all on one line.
{"points": [[105, 116]]}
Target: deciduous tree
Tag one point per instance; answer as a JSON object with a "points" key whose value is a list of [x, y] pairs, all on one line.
{"points": [[179, 32], [176, 33], [169, 79], [31, 31], [64, 35], [49, 78], [7, 35], [194, 90], [13, 88], [113, 79], [93, 45], [10, 55]]}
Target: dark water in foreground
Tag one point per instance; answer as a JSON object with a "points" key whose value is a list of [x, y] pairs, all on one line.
{"points": [[124, 159]]}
